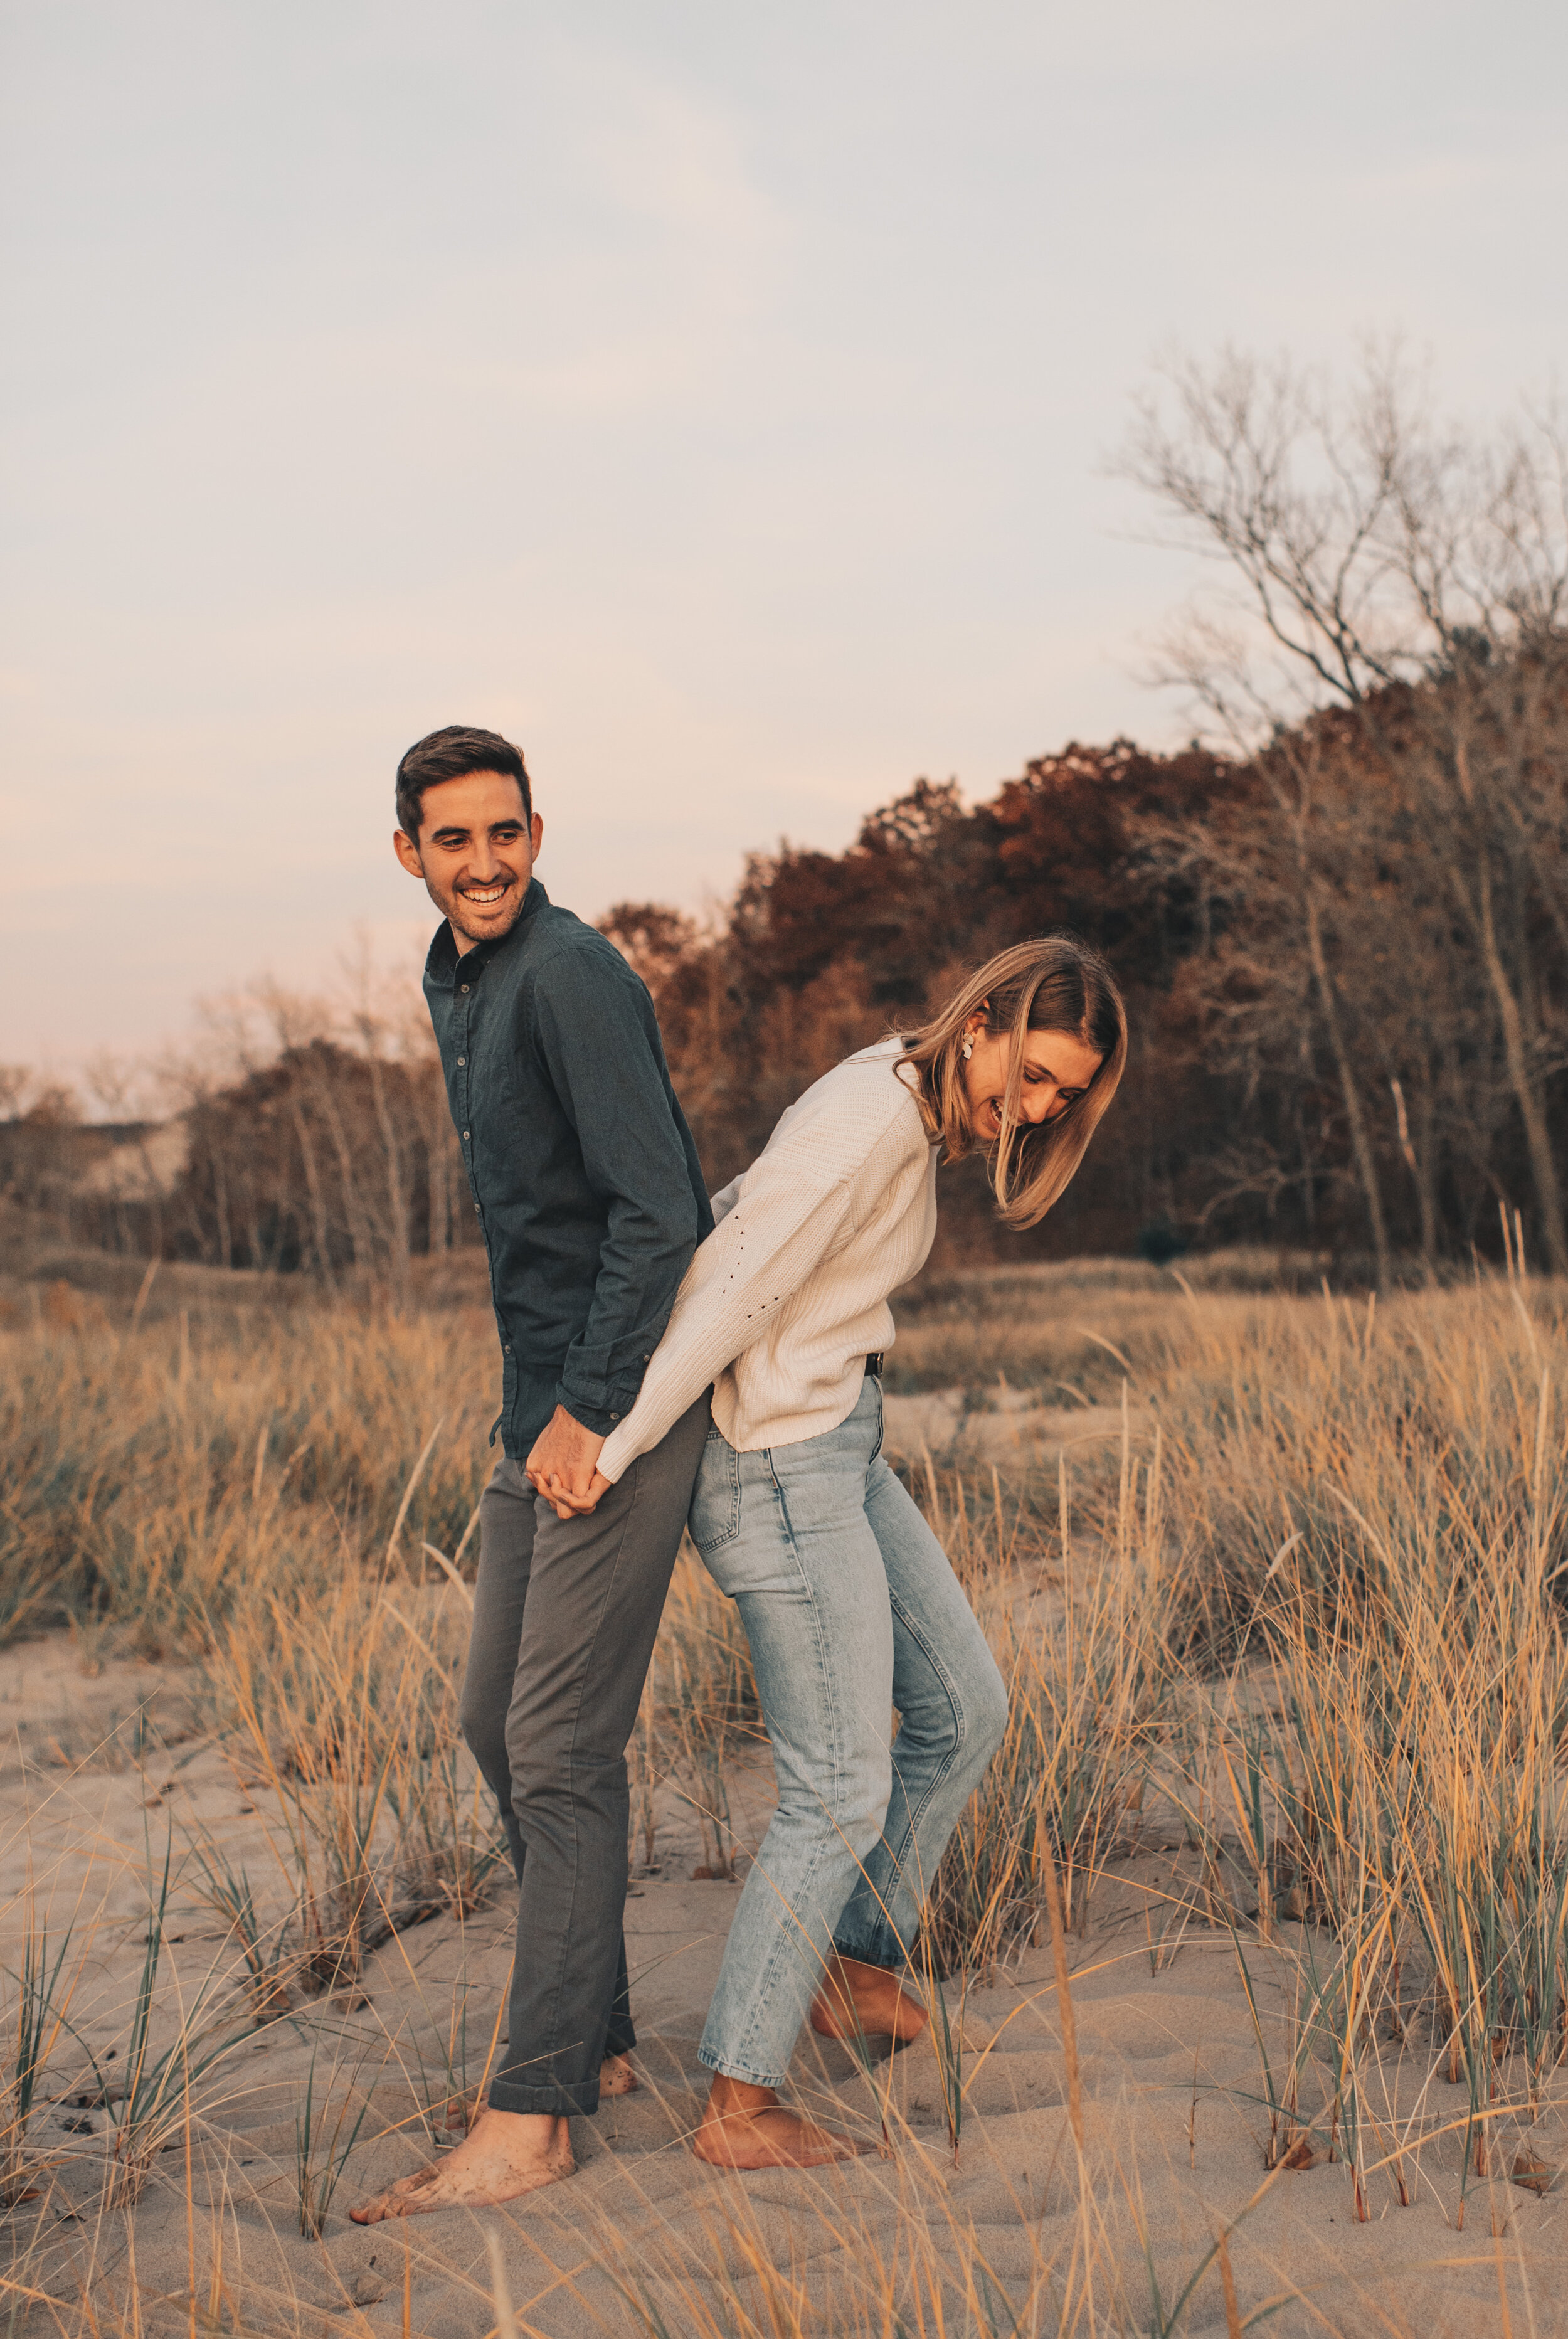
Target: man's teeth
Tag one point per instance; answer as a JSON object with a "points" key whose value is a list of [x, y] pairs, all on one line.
{"points": [[472, 893]]}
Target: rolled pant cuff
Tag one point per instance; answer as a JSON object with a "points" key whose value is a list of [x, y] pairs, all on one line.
{"points": [[563, 2103], [731, 2070], [886, 1950]]}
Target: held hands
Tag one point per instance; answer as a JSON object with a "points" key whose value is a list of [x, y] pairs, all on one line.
{"points": [[561, 1466]]}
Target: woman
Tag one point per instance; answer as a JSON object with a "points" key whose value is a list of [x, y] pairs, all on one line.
{"points": [[848, 1600]]}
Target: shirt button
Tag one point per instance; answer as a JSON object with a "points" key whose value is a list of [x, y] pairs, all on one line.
{"points": [[464, 986], [647, 1360], [462, 1060], [465, 1141], [475, 1210], [505, 1352], [615, 1416]]}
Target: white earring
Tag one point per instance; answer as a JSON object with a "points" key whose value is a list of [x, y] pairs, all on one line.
{"points": [[966, 1050]]}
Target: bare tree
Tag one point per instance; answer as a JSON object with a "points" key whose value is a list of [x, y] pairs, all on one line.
{"points": [[1417, 582]]}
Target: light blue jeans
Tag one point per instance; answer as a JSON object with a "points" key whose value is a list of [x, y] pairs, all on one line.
{"points": [[851, 1609]]}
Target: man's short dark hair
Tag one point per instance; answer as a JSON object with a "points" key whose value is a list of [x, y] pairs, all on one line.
{"points": [[451, 755]]}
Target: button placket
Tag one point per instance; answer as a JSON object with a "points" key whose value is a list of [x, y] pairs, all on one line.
{"points": [[463, 1036], [461, 1023]]}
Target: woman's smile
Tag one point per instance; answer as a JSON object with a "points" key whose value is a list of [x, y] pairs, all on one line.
{"points": [[1057, 1070]]}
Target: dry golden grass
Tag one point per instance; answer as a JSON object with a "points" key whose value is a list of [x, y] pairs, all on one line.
{"points": [[1306, 1628], [158, 1476]]}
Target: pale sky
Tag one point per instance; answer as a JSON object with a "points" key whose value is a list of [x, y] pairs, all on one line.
{"points": [[715, 398]]}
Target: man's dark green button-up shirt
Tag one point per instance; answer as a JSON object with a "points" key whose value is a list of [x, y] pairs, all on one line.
{"points": [[582, 1169]]}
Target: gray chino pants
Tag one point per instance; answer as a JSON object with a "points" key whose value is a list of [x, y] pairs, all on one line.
{"points": [[566, 1611]]}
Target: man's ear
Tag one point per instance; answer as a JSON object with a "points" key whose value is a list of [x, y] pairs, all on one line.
{"points": [[408, 853], [537, 833]]}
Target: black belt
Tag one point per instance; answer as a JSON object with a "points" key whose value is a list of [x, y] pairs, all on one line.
{"points": [[873, 1366]]}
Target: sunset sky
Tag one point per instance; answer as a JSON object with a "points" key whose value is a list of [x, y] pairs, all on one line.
{"points": [[717, 398]]}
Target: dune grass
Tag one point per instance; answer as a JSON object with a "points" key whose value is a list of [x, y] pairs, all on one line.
{"points": [[158, 1475], [1306, 1625]]}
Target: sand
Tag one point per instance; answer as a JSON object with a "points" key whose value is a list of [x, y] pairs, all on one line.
{"points": [[1175, 2122], [1013, 1429]]}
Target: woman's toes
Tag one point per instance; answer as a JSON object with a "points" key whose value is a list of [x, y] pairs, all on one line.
{"points": [[771, 2137]]}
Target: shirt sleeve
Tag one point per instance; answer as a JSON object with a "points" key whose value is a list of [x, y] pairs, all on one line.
{"points": [[595, 1026], [778, 1226]]}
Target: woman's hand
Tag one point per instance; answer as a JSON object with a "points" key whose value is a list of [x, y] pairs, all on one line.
{"points": [[561, 1468], [565, 1505]]}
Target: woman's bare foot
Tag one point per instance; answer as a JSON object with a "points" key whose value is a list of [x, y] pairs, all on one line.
{"points": [[858, 2000], [616, 2076], [744, 2126], [504, 2156]]}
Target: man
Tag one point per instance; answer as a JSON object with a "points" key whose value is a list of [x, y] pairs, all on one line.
{"points": [[588, 1189]]}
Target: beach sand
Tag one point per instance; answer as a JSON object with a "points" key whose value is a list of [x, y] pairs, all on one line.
{"points": [[1175, 2117]]}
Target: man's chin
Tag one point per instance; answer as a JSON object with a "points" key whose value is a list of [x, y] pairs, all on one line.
{"points": [[500, 921]]}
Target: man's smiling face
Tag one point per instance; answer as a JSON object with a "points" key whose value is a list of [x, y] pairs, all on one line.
{"points": [[476, 853]]}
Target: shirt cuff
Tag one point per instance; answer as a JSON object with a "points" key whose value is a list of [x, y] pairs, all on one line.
{"points": [[600, 1419]]}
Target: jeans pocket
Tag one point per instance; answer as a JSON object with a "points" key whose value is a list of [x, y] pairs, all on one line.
{"points": [[881, 1419], [715, 1511]]}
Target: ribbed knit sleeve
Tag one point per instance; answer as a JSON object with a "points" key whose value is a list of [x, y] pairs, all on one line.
{"points": [[788, 1293], [782, 1225]]}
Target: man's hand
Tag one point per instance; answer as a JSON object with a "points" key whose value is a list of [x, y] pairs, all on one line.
{"points": [[565, 1507], [561, 1466]]}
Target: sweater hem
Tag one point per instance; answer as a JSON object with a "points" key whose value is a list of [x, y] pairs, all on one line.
{"points": [[794, 1428]]}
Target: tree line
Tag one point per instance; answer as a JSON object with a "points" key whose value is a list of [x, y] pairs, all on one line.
{"points": [[1340, 915]]}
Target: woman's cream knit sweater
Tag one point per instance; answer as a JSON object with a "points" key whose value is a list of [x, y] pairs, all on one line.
{"points": [[789, 1293]]}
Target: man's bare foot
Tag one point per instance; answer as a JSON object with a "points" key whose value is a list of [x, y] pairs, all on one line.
{"points": [[858, 2000], [744, 2126], [458, 2115], [504, 2156]]}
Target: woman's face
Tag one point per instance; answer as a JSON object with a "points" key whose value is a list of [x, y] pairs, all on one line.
{"points": [[1057, 1066]]}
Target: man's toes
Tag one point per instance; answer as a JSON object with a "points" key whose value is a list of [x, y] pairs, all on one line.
{"points": [[374, 2212], [418, 2182], [405, 2205], [417, 2202], [390, 2204]]}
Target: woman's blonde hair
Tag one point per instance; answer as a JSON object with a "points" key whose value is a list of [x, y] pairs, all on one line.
{"points": [[1052, 984]]}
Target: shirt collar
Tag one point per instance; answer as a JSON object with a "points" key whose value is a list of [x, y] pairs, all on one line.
{"points": [[442, 960]]}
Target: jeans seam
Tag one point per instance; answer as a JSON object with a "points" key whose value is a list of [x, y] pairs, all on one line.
{"points": [[883, 1922], [785, 1941]]}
